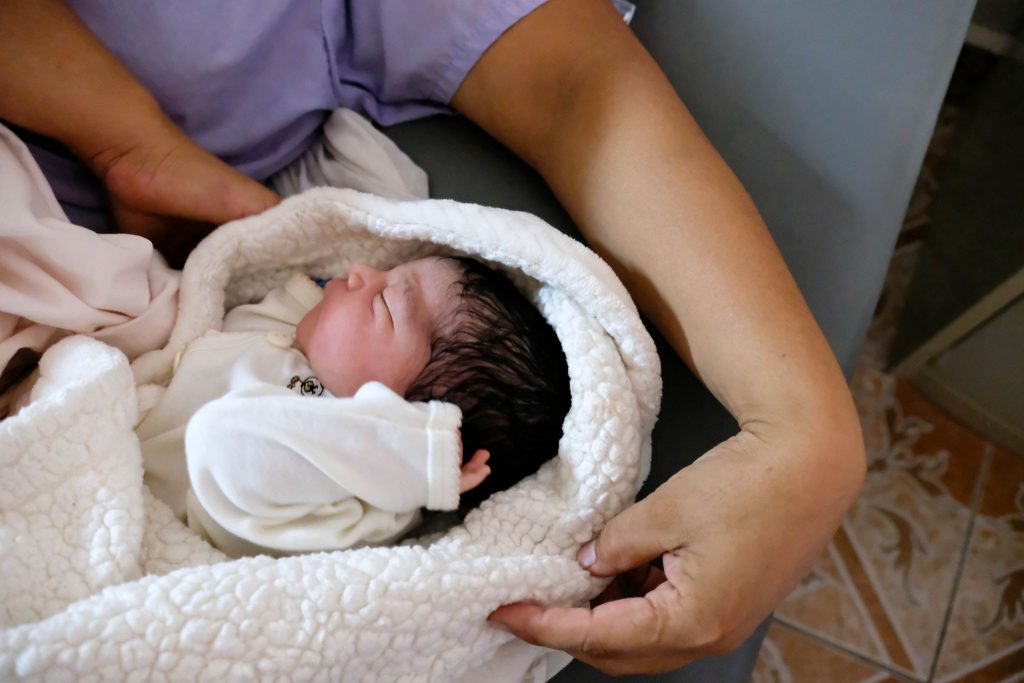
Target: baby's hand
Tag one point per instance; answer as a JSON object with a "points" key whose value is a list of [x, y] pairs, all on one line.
{"points": [[474, 471]]}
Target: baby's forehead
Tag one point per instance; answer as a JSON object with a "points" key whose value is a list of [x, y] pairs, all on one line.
{"points": [[440, 279], [436, 278], [434, 261], [438, 270]]}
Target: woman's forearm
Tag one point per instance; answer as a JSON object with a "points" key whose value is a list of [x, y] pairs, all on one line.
{"points": [[653, 197], [57, 79]]}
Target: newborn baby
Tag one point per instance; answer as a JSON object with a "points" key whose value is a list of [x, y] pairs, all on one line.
{"points": [[326, 415]]}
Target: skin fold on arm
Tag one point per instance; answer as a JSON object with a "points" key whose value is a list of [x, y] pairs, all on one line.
{"points": [[574, 93]]}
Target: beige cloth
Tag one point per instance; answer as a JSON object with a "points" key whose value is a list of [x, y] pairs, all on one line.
{"points": [[351, 153], [57, 278]]}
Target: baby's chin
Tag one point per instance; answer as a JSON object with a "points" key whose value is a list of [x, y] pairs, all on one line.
{"points": [[349, 385], [304, 329]]}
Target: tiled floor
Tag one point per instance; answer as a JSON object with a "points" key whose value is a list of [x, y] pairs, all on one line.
{"points": [[924, 580], [925, 576]]}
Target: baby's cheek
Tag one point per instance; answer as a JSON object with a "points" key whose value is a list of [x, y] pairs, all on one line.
{"points": [[390, 368], [338, 384], [414, 368], [302, 332]]}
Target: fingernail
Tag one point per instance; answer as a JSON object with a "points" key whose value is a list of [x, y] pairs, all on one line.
{"points": [[587, 555], [501, 626]]}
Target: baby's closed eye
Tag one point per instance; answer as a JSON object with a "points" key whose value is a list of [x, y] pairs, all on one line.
{"points": [[383, 303]]}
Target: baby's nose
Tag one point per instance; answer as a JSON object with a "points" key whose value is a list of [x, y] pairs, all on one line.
{"points": [[359, 274]]}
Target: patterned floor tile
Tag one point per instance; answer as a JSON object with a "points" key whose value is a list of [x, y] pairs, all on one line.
{"points": [[985, 636], [829, 601], [790, 657], [883, 586]]}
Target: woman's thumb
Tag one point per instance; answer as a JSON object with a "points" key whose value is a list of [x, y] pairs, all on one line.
{"points": [[630, 539]]}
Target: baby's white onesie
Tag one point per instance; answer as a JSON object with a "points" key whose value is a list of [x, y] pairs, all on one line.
{"points": [[248, 446]]}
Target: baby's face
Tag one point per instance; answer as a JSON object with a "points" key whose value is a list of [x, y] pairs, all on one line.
{"points": [[377, 325]]}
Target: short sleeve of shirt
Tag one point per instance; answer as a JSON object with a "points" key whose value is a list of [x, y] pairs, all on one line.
{"points": [[396, 60], [254, 87]]}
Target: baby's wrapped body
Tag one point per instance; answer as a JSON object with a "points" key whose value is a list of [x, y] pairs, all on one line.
{"points": [[365, 614], [250, 447]]}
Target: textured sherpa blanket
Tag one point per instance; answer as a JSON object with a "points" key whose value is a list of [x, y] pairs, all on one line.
{"points": [[101, 582]]}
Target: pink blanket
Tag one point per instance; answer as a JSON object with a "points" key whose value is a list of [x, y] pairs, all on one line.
{"points": [[57, 278]]}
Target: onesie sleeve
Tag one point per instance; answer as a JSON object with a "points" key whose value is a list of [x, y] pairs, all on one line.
{"points": [[298, 473], [395, 60]]}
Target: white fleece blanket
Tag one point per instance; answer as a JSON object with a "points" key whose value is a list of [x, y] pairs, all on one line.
{"points": [[100, 582]]}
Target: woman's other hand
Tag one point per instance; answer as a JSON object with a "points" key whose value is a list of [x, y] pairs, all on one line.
{"points": [[173, 192]]}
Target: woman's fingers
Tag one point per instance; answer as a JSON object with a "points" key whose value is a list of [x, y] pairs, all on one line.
{"points": [[609, 630], [180, 179], [631, 635], [632, 584]]}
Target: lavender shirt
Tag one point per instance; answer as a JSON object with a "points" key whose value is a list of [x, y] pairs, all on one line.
{"points": [[252, 81]]}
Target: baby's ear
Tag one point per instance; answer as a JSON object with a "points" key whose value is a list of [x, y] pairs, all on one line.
{"points": [[474, 471]]}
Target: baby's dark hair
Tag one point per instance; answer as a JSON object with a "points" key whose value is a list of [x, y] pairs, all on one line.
{"points": [[503, 366]]}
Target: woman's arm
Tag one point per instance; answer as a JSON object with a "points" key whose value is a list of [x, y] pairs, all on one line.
{"points": [[571, 90], [60, 81], [57, 79]]}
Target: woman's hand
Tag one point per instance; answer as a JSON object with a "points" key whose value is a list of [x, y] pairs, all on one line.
{"points": [[173, 192], [736, 531]]}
